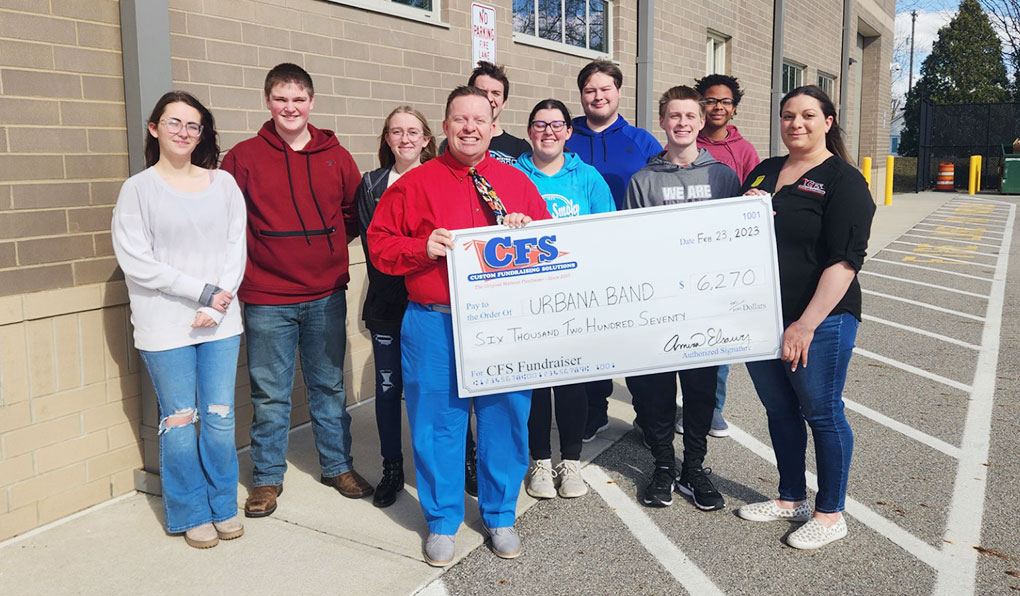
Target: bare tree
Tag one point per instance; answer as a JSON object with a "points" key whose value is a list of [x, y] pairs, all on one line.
{"points": [[1005, 17]]}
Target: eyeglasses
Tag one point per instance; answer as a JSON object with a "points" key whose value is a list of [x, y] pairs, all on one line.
{"points": [[173, 126], [711, 101], [412, 135], [555, 125]]}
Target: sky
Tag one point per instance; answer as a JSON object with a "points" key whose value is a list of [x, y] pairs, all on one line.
{"points": [[931, 16]]}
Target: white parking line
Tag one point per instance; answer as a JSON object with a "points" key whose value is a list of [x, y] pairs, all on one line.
{"points": [[963, 525], [904, 429], [925, 284], [940, 239], [924, 332], [913, 369], [926, 268], [924, 305], [686, 573], [970, 252], [941, 258], [925, 552]]}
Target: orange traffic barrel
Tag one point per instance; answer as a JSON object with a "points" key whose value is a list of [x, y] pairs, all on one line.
{"points": [[945, 178]]}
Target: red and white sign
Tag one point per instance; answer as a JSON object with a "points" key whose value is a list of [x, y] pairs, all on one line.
{"points": [[483, 34]]}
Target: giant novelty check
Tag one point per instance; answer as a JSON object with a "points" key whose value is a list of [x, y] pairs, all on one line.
{"points": [[615, 295]]}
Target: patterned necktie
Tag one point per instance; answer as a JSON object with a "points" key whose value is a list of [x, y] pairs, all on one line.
{"points": [[489, 194]]}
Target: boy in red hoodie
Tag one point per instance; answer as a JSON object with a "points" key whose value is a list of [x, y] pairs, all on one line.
{"points": [[299, 186]]}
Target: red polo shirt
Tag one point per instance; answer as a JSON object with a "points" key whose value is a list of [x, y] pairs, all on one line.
{"points": [[440, 194]]}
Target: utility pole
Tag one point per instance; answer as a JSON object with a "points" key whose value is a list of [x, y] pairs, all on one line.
{"points": [[910, 77]]}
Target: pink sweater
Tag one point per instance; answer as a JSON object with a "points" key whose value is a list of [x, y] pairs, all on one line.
{"points": [[734, 151]]}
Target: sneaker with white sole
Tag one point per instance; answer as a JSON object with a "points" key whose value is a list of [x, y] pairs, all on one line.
{"points": [[767, 511], [505, 543], [541, 480], [695, 483], [815, 535], [659, 492], [719, 427], [568, 476], [595, 424]]}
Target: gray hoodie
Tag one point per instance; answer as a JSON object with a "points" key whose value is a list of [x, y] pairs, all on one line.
{"points": [[663, 182]]}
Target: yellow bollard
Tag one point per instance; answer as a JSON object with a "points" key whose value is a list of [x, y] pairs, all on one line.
{"points": [[889, 163], [977, 176], [972, 175], [866, 170]]}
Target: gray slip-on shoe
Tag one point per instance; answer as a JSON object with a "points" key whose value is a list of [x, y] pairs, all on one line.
{"points": [[439, 549], [504, 542]]}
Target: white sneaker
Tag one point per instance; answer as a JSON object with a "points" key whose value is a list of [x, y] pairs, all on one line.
{"points": [[814, 535], [540, 484], [568, 473]]}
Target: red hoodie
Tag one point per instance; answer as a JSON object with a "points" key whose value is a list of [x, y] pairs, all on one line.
{"points": [[734, 151], [300, 213]]}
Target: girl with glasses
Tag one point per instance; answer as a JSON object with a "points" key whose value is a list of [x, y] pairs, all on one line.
{"points": [[405, 143], [179, 237], [570, 188]]}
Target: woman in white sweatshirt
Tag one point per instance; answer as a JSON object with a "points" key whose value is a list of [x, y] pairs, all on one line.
{"points": [[179, 236]]}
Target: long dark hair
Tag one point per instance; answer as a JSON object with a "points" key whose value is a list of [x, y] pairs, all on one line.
{"points": [[833, 138], [207, 151], [549, 104], [386, 157]]}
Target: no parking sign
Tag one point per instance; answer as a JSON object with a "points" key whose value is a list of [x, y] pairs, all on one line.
{"points": [[483, 34]]}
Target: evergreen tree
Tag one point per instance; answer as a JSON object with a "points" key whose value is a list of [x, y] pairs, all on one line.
{"points": [[965, 66]]}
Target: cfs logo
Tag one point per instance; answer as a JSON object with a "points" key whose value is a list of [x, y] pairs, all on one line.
{"points": [[503, 257]]}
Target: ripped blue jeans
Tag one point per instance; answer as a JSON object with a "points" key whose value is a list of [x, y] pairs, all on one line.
{"points": [[197, 452], [389, 387]]}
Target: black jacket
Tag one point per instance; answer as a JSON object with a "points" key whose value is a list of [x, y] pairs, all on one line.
{"points": [[387, 296]]}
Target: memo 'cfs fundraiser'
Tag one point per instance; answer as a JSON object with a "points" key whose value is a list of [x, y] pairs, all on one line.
{"points": [[502, 257]]}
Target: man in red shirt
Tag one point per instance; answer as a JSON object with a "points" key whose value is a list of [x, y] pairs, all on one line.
{"points": [[409, 236], [299, 186]]}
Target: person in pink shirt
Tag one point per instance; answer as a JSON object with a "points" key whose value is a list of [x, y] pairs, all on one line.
{"points": [[720, 138]]}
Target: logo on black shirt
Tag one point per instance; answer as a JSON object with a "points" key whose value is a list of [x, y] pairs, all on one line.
{"points": [[811, 186]]}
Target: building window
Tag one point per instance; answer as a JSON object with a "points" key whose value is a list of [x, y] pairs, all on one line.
{"points": [[715, 53], [793, 76], [828, 84], [573, 26], [418, 10]]}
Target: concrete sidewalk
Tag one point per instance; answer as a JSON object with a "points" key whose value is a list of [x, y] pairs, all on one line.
{"points": [[317, 542]]}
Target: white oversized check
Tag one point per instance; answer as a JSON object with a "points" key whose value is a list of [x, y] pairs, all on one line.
{"points": [[615, 295]]}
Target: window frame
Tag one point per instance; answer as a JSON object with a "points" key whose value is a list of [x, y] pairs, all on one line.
{"points": [[563, 47], [794, 67], [716, 52], [822, 75], [394, 9]]}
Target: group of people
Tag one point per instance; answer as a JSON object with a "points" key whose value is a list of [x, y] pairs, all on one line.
{"points": [[264, 229]]}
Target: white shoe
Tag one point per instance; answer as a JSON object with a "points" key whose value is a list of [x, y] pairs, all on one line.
{"points": [[540, 484], [770, 511], [568, 474], [814, 535]]}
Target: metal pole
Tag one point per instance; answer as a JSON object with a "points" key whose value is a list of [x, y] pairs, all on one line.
{"points": [[844, 69], [910, 77], [777, 75], [645, 66]]}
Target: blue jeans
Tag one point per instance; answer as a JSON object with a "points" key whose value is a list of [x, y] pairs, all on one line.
{"points": [[438, 417], [389, 386], [275, 334], [198, 467], [814, 393], [720, 386]]}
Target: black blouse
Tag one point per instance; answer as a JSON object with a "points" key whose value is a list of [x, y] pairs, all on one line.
{"points": [[822, 219]]}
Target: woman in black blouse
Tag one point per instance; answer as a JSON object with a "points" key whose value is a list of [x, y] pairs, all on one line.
{"points": [[823, 213]]}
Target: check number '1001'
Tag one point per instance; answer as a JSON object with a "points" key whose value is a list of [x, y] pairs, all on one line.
{"points": [[725, 280]]}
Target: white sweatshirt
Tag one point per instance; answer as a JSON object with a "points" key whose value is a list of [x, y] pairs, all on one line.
{"points": [[170, 244]]}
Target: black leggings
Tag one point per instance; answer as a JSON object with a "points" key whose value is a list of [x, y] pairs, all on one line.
{"points": [[571, 413], [655, 404]]}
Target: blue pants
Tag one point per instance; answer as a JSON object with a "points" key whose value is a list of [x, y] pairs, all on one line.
{"points": [[720, 386], [814, 393], [197, 467], [438, 418], [389, 387], [275, 333]]}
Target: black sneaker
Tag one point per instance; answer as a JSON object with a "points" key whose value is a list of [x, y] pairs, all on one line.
{"points": [[659, 492], [471, 473], [694, 482], [595, 424]]}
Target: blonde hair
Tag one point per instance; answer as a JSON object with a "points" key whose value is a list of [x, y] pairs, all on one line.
{"points": [[386, 157]]}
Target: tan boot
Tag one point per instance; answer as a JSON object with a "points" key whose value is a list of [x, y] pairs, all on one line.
{"points": [[203, 536], [229, 529]]}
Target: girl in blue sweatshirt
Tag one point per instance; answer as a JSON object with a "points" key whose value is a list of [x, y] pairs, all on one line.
{"points": [[570, 187]]}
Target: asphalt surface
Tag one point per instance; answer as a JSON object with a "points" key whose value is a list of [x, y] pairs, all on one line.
{"points": [[932, 397]]}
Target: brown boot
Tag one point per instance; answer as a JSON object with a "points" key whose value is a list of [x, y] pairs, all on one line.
{"points": [[349, 484], [262, 501]]}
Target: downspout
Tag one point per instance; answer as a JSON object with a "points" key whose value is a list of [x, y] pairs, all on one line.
{"points": [[644, 91], [778, 7], [844, 68]]}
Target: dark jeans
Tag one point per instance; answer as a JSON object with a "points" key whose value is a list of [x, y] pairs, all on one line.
{"points": [[571, 413], [598, 396], [655, 405], [389, 386]]}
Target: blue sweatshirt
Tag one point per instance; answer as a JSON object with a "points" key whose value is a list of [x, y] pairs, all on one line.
{"points": [[577, 189], [616, 152]]}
